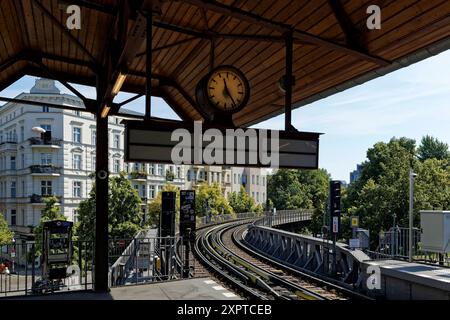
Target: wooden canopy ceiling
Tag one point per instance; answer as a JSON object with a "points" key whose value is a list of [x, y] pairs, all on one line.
{"points": [[333, 48]]}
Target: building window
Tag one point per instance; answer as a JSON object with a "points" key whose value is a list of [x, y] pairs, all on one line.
{"points": [[188, 175], [46, 159], [13, 163], [77, 189], [257, 196], [160, 169], [264, 181], [151, 192], [179, 172], [93, 137], [13, 189], [23, 160], [46, 127], [94, 160], [77, 161], [257, 180], [77, 113], [22, 133], [253, 179], [45, 109], [76, 216], [13, 217], [151, 169], [143, 191], [76, 136], [116, 141], [116, 165], [235, 181], [46, 188]]}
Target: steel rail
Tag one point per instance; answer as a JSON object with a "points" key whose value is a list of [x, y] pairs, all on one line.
{"points": [[269, 280], [283, 266], [200, 247], [248, 277]]}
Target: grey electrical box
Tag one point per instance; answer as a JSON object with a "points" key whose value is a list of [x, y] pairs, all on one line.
{"points": [[435, 231], [363, 235]]}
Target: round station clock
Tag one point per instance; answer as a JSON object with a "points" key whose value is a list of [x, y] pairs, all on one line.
{"points": [[224, 90]]}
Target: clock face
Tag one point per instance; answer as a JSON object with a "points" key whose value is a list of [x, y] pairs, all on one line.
{"points": [[227, 89]]}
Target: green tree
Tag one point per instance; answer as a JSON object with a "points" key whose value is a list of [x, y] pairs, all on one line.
{"points": [[383, 187], [6, 235], [432, 185], [432, 148], [51, 212], [242, 202], [124, 211], [300, 189], [215, 199]]}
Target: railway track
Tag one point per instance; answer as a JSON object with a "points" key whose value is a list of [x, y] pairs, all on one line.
{"points": [[219, 249]]}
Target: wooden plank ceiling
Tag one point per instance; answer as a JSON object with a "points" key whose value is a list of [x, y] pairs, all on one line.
{"points": [[33, 40]]}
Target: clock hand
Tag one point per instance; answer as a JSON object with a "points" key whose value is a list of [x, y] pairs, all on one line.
{"points": [[228, 92]]}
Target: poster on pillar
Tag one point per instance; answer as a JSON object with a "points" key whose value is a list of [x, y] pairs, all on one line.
{"points": [[182, 143]]}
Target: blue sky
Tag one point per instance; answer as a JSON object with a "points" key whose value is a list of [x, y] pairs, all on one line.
{"points": [[410, 102]]}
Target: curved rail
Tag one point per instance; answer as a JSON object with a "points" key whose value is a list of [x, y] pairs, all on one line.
{"points": [[321, 283], [254, 281]]}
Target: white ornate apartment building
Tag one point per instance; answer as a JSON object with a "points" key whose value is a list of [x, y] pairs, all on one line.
{"points": [[31, 167]]}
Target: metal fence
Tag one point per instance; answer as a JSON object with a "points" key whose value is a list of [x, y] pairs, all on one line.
{"points": [[21, 270], [394, 244], [143, 259], [284, 217]]}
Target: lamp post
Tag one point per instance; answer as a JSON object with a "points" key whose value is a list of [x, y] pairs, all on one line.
{"points": [[412, 175]]}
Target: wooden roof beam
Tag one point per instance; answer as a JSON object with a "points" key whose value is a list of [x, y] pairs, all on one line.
{"points": [[352, 35], [64, 30], [169, 82], [284, 28]]}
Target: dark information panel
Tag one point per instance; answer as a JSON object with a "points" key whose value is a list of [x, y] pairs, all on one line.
{"points": [[187, 213], [168, 209]]}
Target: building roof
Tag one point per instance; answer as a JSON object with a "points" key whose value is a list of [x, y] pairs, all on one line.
{"points": [[333, 48]]}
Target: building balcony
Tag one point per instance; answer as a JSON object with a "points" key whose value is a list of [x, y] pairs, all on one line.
{"points": [[137, 175], [45, 170], [39, 199], [8, 145], [22, 230], [45, 143]]}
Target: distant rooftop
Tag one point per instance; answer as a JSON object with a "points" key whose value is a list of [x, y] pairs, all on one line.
{"points": [[46, 86]]}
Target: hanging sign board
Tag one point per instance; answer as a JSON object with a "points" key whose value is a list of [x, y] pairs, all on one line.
{"points": [[165, 141]]}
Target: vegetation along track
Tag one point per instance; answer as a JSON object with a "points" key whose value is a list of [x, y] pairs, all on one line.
{"points": [[219, 250]]}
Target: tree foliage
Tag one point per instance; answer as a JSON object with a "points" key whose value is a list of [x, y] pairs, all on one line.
{"points": [[6, 235], [124, 211], [211, 195], [432, 148], [242, 202], [300, 189], [383, 187]]}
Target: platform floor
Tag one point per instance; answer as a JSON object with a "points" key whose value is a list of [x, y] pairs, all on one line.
{"points": [[191, 289], [429, 275]]}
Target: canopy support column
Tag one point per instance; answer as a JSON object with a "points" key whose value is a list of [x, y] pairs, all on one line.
{"points": [[101, 270], [148, 67], [288, 82]]}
